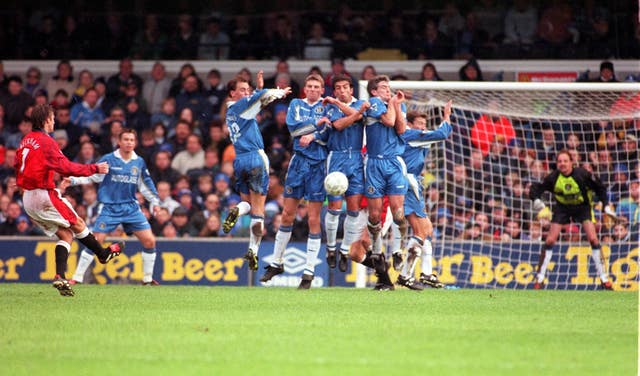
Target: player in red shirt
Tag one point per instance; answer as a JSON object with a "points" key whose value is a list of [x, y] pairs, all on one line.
{"points": [[37, 159]]}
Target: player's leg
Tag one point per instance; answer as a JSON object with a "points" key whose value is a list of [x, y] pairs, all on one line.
{"points": [[427, 276], [414, 249], [282, 238], [596, 254], [313, 243], [546, 253], [62, 253], [85, 259], [352, 230], [256, 228], [243, 167], [331, 222], [242, 208], [148, 241], [360, 252]]}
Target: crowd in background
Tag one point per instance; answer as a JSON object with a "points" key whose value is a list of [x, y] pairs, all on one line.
{"points": [[183, 138], [488, 29]]}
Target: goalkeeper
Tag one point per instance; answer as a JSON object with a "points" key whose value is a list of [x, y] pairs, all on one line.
{"points": [[573, 188]]}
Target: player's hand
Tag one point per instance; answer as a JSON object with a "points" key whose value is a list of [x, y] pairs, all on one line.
{"points": [[156, 210], [323, 120], [447, 111], [364, 107], [307, 139], [287, 91], [64, 184], [103, 168], [608, 210], [328, 100], [400, 96], [260, 80], [538, 205]]}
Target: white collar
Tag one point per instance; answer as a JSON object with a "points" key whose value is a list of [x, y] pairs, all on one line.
{"points": [[119, 156]]}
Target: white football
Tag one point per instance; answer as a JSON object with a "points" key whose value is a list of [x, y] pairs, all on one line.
{"points": [[336, 183]]}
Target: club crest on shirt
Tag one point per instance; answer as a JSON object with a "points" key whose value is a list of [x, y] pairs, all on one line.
{"points": [[567, 187], [318, 110], [288, 189], [370, 190], [102, 225], [134, 171]]}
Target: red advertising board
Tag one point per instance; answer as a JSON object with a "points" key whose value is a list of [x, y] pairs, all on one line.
{"points": [[547, 76]]}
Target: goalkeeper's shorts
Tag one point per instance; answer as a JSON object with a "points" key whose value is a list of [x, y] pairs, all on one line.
{"points": [[563, 214]]}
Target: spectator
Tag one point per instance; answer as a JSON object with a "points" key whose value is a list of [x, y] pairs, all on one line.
{"points": [[156, 89], [190, 158], [368, 72], [149, 43], [282, 66], [136, 116], [607, 74], [33, 83], [489, 126], [180, 221], [520, 26], [429, 73], [6, 168], [191, 97], [283, 39], [147, 147], [214, 43], [88, 115], [178, 141], [87, 153], [15, 102], [547, 145], [211, 227], [556, 29], [620, 233], [109, 141], [85, 82], [470, 71], [204, 186], [164, 194], [162, 170], [338, 69], [166, 117], [62, 80], [117, 83], [215, 93], [317, 47], [185, 199], [186, 70], [211, 208], [433, 44], [10, 224], [184, 43], [25, 126], [451, 21]]}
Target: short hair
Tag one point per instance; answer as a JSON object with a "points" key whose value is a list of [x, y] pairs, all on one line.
{"points": [[128, 130], [40, 114], [339, 78], [313, 77], [374, 82], [564, 151], [412, 115], [233, 83]]}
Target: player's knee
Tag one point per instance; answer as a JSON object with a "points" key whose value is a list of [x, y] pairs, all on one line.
{"points": [[374, 228], [398, 218], [358, 250]]}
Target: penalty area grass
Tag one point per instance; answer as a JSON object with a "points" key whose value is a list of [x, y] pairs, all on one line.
{"points": [[182, 330]]}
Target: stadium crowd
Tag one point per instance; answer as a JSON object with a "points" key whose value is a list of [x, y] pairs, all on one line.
{"points": [[488, 29], [186, 145]]}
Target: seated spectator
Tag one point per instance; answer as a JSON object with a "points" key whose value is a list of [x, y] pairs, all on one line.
{"points": [[62, 80], [216, 92], [88, 115], [33, 82], [159, 221], [167, 115], [318, 46], [520, 25], [429, 73], [15, 102], [211, 226], [470, 71], [211, 207], [85, 81], [607, 74], [161, 168], [136, 117], [180, 220], [13, 140], [10, 224], [214, 43], [190, 158], [149, 43]]}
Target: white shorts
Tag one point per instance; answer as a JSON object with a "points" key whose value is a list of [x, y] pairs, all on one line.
{"points": [[49, 210]]}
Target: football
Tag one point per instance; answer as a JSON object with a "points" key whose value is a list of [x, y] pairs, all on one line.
{"points": [[336, 183]]}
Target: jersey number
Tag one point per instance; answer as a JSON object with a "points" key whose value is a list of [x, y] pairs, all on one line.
{"points": [[234, 131], [25, 151]]}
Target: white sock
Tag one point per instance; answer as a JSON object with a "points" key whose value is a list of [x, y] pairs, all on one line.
{"points": [[85, 259], [409, 264], [254, 240], [243, 207], [427, 254], [545, 265], [351, 231], [331, 221], [282, 239], [313, 247], [596, 255], [396, 242], [376, 239], [148, 262]]}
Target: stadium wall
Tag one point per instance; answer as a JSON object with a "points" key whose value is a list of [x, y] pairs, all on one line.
{"points": [[220, 263]]}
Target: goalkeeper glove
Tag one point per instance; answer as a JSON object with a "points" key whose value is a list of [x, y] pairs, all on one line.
{"points": [[608, 210], [538, 205]]}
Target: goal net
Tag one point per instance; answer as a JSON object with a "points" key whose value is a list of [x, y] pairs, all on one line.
{"points": [[505, 137]]}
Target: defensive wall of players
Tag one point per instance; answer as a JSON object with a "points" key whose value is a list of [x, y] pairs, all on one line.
{"points": [[220, 263]]}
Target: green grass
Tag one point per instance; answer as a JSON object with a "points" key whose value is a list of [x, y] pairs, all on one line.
{"points": [[179, 330]]}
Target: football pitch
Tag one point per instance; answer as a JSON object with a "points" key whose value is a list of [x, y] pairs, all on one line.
{"points": [[181, 330]]}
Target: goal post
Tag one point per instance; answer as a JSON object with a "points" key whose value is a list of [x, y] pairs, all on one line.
{"points": [[505, 137]]}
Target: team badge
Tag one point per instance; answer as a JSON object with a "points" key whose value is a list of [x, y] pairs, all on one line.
{"points": [[134, 171], [318, 110], [102, 225], [567, 187], [370, 190], [288, 189]]}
